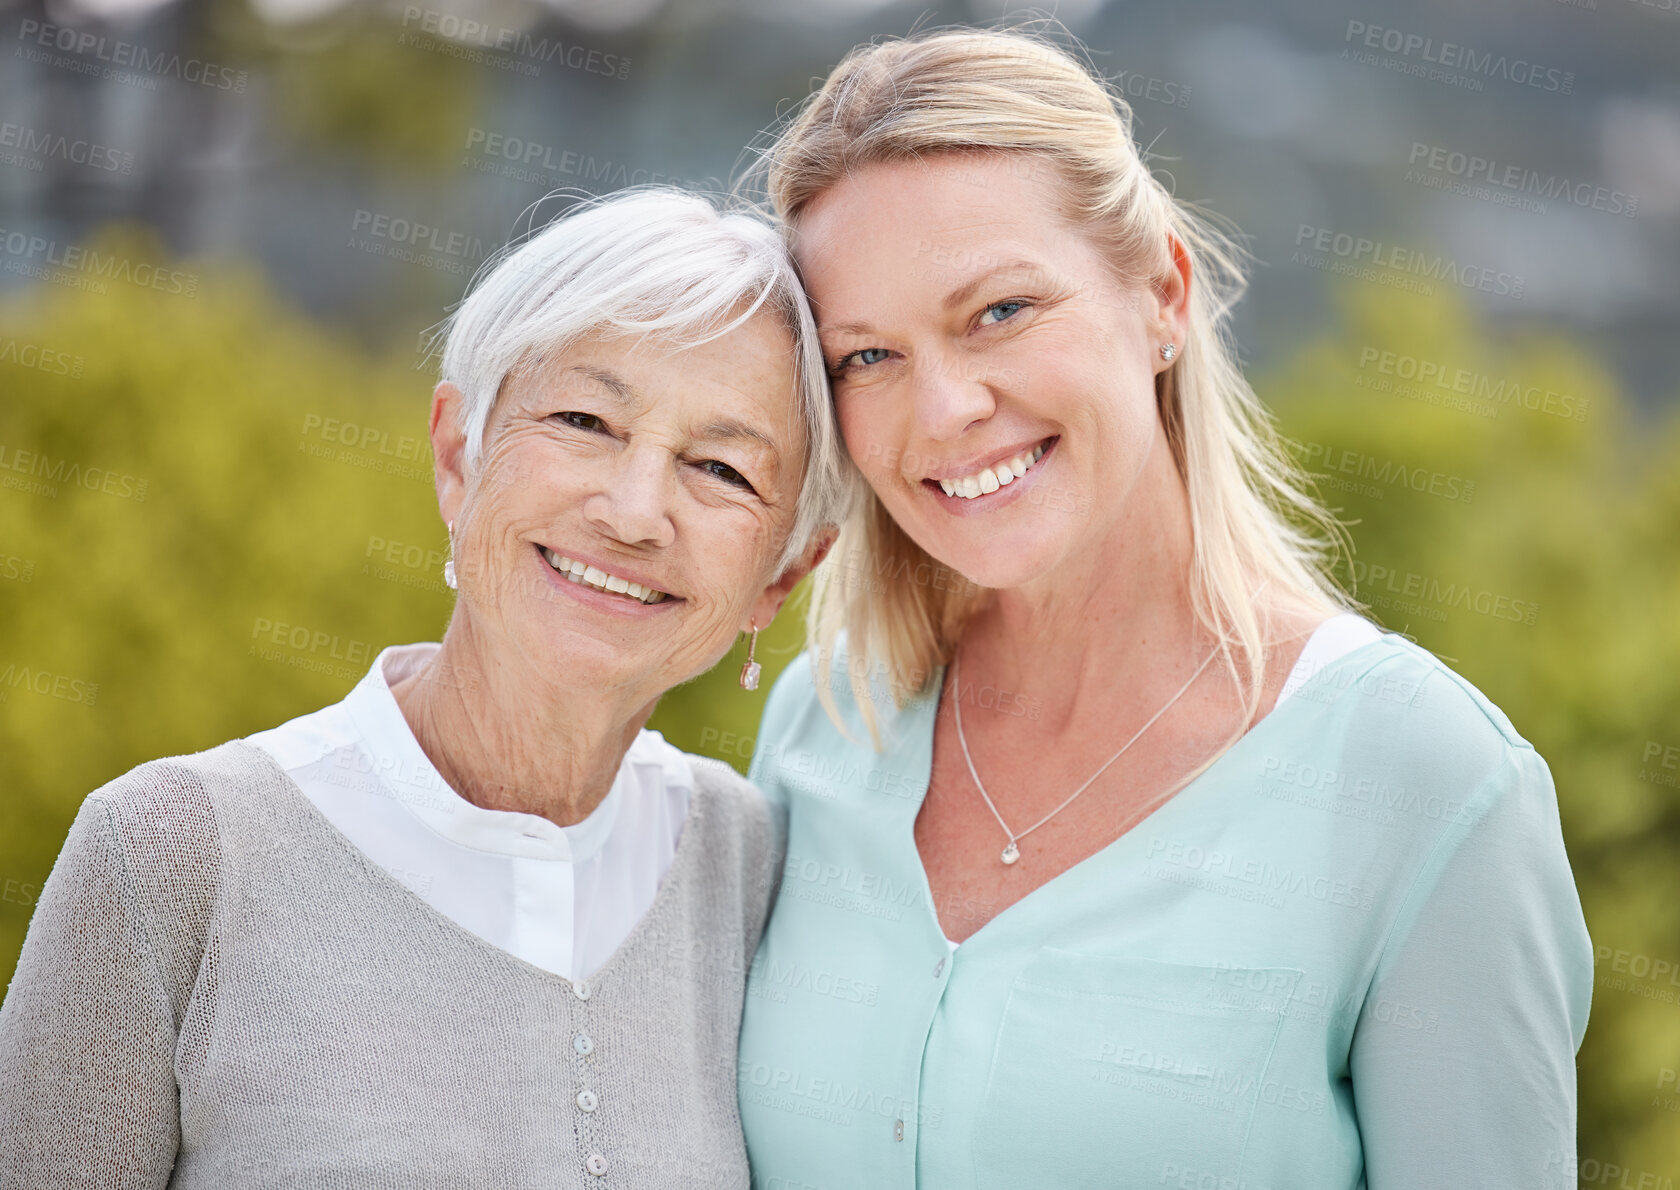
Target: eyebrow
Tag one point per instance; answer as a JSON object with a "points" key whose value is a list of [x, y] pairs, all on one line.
{"points": [[967, 289], [730, 429], [620, 388], [956, 297], [726, 429]]}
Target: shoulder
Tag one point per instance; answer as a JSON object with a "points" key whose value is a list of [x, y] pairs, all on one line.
{"points": [[726, 804], [181, 797], [795, 715], [1444, 770], [1406, 711]]}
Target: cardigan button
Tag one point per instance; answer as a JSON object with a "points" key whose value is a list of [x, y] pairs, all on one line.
{"points": [[939, 968], [583, 1045], [596, 1165], [580, 989], [587, 1100]]}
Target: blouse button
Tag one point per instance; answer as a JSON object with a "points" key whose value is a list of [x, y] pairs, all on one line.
{"points": [[597, 1165], [587, 1100], [580, 989], [583, 1045]]}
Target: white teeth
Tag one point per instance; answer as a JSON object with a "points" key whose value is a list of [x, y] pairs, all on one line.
{"points": [[989, 479], [593, 576]]}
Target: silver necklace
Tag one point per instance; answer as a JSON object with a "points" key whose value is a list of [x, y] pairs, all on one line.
{"points": [[1011, 852]]}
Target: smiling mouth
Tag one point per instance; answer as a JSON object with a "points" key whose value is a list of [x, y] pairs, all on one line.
{"points": [[600, 580], [989, 479]]}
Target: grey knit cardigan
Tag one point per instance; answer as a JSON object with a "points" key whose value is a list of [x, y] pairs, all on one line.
{"points": [[218, 989]]}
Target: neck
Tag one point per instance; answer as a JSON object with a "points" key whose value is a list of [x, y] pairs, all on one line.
{"points": [[506, 736], [1115, 616]]}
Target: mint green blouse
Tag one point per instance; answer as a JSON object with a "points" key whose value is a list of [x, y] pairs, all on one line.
{"points": [[1349, 954]]}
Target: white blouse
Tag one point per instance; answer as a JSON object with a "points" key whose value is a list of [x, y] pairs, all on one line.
{"points": [[561, 898]]}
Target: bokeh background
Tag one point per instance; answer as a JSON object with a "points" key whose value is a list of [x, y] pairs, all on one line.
{"points": [[226, 227]]}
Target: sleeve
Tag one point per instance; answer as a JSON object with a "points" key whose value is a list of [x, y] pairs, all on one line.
{"points": [[88, 1095], [1463, 1057]]}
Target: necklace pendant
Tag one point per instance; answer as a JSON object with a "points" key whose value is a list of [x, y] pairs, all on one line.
{"points": [[1011, 853]]}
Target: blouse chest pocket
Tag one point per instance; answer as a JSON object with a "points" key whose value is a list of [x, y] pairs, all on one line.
{"points": [[1121, 1072]]}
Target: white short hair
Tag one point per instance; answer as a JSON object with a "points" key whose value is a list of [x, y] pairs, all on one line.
{"points": [[651, 261]]}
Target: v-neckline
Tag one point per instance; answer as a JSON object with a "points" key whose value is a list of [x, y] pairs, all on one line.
{"points": [[682, 858], [929, 707]]}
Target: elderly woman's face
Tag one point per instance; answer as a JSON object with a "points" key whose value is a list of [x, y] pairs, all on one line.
{"points": [[630, 503], [993, 380]]}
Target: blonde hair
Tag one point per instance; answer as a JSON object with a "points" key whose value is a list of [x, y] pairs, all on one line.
{"points": [[1256, 524]]}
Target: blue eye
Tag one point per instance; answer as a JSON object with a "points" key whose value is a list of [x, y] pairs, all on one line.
{"points": [[1010, 308], [867, 356]]}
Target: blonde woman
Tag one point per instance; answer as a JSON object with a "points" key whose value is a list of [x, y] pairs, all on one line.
{"points": [[1123, 850]]}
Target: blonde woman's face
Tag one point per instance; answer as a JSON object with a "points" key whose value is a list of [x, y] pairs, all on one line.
{"points": [[994, 380]]}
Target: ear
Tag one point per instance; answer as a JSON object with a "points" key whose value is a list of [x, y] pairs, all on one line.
{"points": [[449, 450], [1172, 298], [770, 600]]}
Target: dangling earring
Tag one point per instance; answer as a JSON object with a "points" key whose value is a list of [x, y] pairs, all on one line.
{"points": [[449, 566], [1168, 350], [749, 671]]}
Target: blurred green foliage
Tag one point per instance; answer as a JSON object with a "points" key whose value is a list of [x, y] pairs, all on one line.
{"points": [[209, 467]]}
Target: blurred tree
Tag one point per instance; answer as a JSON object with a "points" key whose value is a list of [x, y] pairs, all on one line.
{"points": [[214, 512]]}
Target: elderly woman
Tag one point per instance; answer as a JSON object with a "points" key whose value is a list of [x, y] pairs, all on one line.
{"points": [[1137, 856], [474, 925]]}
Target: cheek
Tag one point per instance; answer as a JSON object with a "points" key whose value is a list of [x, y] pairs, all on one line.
{"points": [[855, 424], [873, 440]]}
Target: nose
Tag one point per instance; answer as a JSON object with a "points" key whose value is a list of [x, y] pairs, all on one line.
{"points": [[632, 504], [949, 397]]}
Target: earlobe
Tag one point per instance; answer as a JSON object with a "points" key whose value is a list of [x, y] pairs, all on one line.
{"points": [[772, 598]]}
